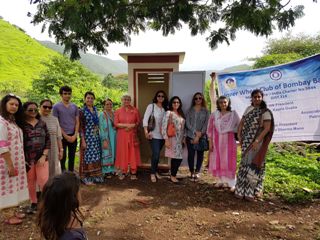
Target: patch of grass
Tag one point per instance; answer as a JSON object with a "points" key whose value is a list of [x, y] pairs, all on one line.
{"points": [[292, 177], [21, 59]]}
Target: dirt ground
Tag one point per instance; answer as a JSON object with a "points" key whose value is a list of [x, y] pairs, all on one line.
{"points": [[144, 210]]}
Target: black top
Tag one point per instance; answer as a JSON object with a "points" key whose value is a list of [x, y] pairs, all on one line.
{"points": [[74, 234]]}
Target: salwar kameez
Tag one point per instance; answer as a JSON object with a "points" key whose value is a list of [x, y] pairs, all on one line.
{"points": [[107, 133], [127, 146], [223, 158], [90, 156], [14, 190]]}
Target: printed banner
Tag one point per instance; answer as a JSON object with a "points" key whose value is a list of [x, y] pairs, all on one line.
{"points": [[291, 91]]}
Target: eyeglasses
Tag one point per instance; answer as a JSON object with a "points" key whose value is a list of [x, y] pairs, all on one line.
{"points": [[198, 98], [47, 107], [160, 96], [32, 110], [175, 102]]}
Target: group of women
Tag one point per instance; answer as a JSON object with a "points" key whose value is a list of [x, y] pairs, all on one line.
{"points": [[31, 148], [219, 130]]}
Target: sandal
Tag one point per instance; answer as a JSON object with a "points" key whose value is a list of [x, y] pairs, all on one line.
{"points": [[174, 179], [250, 199], [133, 177], [153, 178], [13, 221], [158, 176], [259, 195], [19, 215], [238, 196], [218, 185]]}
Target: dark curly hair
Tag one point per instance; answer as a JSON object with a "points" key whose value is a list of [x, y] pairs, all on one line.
{"points": [[165, 101], [180, 106], [18, 115], [203, 103]]}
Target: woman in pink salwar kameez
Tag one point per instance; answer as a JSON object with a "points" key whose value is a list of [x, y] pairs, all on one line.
{"points": [[222, 126], [126, 120]]}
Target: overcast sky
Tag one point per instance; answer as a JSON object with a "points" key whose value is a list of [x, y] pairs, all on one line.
{"points": [[198, 54]]}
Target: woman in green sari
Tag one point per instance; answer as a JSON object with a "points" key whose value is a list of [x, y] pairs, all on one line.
{"points": [[254, 134], [108, 138]]}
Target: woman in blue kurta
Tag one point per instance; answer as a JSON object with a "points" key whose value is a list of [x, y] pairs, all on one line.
{"points": [[90, 150], [108, 138]]}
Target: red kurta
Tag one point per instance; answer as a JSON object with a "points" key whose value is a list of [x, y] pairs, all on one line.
{"points": [[127, 147]]}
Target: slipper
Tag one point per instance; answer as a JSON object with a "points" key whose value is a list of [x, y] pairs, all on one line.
{"points": [[153, 178], [19, 215], [250, 199], [13, 221], [133, 177], [174, 180], [238, 196], [218, 185]]}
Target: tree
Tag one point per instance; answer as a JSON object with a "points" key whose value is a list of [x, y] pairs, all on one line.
{"points": [[61, 71], [288, 49], [79, 24]]}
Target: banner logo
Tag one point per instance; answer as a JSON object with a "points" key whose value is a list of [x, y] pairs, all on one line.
{"points": [[275, 75]]}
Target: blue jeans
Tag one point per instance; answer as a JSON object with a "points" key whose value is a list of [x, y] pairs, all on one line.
{"points": [[156, 146], [191, 153]]}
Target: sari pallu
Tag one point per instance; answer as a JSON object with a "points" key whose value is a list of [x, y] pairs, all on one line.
{"points": [[252, 166]]}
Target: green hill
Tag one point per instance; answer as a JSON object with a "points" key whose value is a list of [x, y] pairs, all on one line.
{"points": [[20, 59], [97, 64]]}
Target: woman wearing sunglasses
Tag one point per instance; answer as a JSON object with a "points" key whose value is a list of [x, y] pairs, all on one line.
{"points": [[174, 136], [157, 109], [196, 128], [56, 150], [36, 140]]}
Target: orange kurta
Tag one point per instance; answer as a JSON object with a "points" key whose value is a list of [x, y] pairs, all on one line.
{"points": [[127, 147]]}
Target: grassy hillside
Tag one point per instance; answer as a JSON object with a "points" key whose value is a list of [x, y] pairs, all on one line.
{"points": [[20, 59], [97, 64]]}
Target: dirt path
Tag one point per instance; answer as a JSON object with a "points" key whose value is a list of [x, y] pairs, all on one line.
{"points": [[142, 210]]}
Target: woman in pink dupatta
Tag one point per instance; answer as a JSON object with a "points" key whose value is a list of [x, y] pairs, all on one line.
{"points": [[222, 126]]}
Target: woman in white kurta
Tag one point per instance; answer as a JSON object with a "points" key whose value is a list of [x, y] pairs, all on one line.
{"points": [[174, 144], [13, 178]]}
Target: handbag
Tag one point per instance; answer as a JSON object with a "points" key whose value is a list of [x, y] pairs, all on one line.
{"points": [[151, 121], [202, 145], [171, 129]]}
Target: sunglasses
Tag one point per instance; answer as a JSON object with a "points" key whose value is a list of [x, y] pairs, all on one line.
{"points": [[175, 102], [198, 98], [66, 93], [32, 110], [47, 107], [160, 96]]}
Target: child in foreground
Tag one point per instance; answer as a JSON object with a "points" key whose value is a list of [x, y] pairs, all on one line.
{"points": [[59, 216]]}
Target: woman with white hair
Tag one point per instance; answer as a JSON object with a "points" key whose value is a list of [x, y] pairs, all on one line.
{"points": [[127, 120]]}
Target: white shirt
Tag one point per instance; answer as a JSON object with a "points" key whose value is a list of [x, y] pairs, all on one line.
{"points": [[159, 113]]}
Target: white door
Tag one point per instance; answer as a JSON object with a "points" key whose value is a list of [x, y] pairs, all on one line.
{"points": [[185, 85]]}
